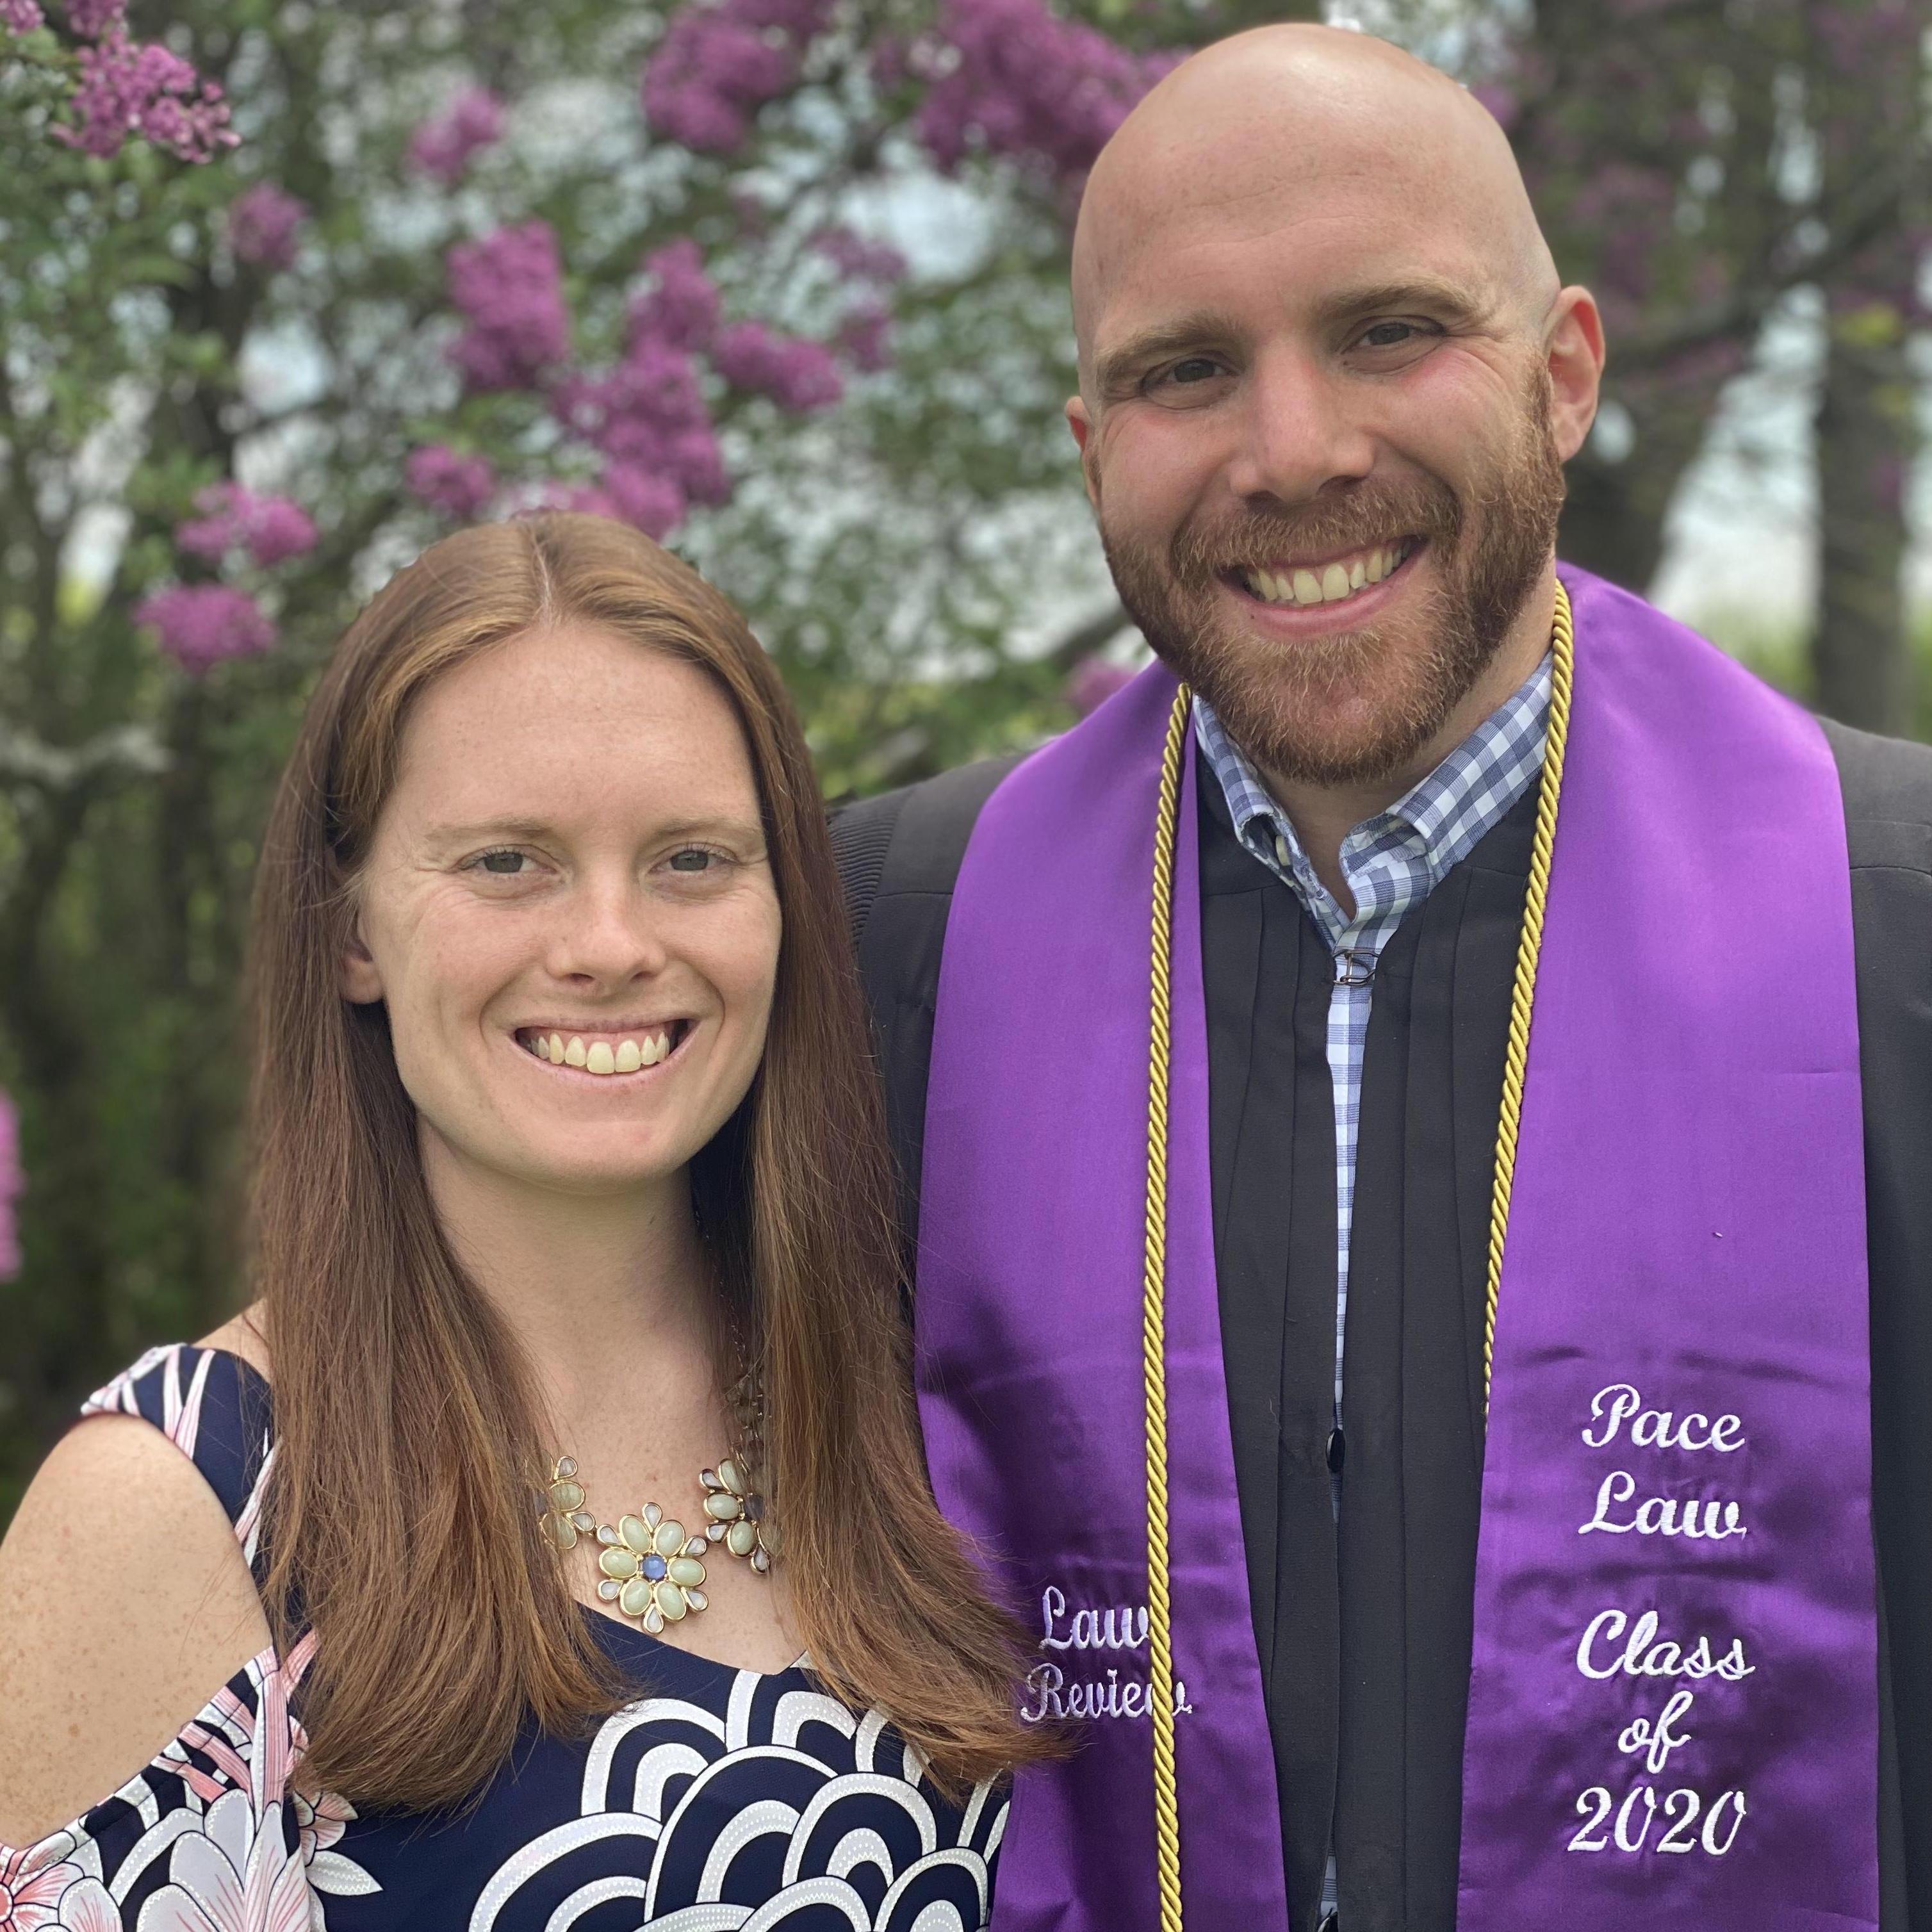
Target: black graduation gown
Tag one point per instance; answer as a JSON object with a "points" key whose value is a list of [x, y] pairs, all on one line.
{"points": [[1364, 1626]]}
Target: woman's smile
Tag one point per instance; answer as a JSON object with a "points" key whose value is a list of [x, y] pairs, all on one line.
{"points": [[604, 1052]]}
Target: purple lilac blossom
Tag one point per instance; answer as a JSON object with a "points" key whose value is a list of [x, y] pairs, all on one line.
{"points": [[278, 529], [865, 336], [1092, 682], [796, 374], [864, 261], [716, 66], [128, 88], [12, 1185], [510, 285], [648, 414], [262, 224], [445, 479], [1011, 78], [693, 459], [683, 309], [198, 624], [90, 19], [654, 503], [446, 144], [271, 529], [21, 17]]}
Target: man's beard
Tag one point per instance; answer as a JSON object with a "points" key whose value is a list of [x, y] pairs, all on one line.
{"points": [[1355, 707]]}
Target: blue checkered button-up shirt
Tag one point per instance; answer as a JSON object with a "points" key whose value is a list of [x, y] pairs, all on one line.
{"points": [[1391, 862]]}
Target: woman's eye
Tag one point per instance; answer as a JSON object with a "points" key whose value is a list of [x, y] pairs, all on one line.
{"points": [[693, 859], [503, 865]]}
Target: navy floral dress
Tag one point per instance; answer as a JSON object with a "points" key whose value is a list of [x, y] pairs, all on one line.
{"points": [[720, 1800]]}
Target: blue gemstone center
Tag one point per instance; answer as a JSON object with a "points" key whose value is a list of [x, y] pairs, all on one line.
{"points": [[654, 1568]]}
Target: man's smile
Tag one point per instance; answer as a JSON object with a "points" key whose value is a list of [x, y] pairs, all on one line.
{"points": [[1329, 580], [1306, 597]]}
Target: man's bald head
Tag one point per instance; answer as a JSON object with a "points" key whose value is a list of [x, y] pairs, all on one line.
{"points": [[1327, 384], [1290, 118]]}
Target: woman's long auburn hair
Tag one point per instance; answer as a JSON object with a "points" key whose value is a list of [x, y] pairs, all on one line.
{"points": [[401, 1521]]}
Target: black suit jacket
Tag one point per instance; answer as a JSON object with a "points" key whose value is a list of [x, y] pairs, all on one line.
{"points": [[1363, 1625]]}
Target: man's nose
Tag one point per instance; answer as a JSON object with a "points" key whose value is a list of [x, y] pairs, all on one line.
{"points": [[609, 932], [1299, 431]]}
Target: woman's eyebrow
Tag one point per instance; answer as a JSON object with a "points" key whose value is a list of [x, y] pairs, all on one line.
{"points": [[484, 828], [536, 829]]}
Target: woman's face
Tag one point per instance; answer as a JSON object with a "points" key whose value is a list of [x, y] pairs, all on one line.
{"points": [[571, 868]]}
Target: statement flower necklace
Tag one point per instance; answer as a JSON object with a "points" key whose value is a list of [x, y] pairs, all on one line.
{"points": [[653, 1567]]}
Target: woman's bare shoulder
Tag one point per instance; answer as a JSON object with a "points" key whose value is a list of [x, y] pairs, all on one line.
{"points": [[125, 1604], [244, 1335]]}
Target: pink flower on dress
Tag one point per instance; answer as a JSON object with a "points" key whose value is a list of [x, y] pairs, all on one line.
{"points": [[31, 1885], [235, 1874]]}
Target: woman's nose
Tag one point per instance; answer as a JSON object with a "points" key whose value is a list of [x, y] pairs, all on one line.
{"points": [[608, 932]]}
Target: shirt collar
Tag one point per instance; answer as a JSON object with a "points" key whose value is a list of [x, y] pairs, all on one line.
{"points": [[1438, 820]]}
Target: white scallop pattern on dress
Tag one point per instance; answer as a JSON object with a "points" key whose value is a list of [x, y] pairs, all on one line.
{"points": [[793, 1810]]}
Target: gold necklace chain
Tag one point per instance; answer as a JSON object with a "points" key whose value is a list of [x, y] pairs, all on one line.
{"points": [[1154, 1304]]}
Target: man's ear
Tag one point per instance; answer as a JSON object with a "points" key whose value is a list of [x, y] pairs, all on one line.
{"points": [[1081, 425], [360, 980], [1575, 358]]}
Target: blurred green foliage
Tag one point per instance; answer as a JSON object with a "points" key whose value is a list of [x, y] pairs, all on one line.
{"points": [[918, 559]]}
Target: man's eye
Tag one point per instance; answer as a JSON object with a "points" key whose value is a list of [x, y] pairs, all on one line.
{"points": [[1195, 369], [1389, 334]]}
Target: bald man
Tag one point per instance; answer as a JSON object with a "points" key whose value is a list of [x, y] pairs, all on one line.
{"points": [[1416, 1117]]}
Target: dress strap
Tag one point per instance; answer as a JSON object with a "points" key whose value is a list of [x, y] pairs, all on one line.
{"points": [[215, 1407]]}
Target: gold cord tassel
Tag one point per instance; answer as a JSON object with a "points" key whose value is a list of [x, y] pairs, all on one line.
{"points": [[1154, 1329], [1529, 950]]}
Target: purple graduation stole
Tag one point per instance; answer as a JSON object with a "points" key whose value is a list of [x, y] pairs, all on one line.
{"points": [[1673, 1701]]}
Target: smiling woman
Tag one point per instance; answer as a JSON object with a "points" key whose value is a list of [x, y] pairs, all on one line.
{"points": [[553, 1533]]}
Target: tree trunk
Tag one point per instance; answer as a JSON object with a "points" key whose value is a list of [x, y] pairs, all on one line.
{"points": [[1867, 63], [1613, 523], [1860, 664]]}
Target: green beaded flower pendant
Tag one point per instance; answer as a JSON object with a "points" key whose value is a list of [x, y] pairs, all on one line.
{"points": [[737, 1511], [562, 1514], [651, 1568]]}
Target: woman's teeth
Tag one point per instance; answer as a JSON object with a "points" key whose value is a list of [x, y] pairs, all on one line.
{"points": [[1335, 582], [600, 1056]]}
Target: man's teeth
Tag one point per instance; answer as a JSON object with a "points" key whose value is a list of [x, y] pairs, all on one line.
{"points": [[600, 1056], [1334, 582]]}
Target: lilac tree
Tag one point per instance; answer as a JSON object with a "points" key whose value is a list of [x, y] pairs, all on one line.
{"points": [[289, 289]]}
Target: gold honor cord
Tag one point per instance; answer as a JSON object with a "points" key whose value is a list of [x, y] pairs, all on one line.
{"points": [[1529, 950], [1154, 1304], [1154, 1329]]}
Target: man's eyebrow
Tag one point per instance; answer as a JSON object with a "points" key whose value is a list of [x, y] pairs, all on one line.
{"points": [[1451, 301], [1164, 338]]}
